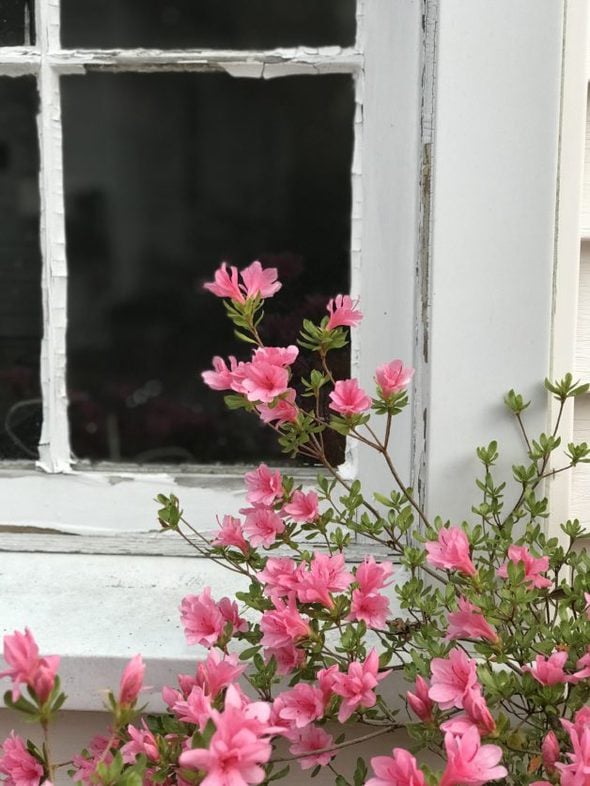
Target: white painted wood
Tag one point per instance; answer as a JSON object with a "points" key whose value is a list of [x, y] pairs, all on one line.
{"points": [[19, 60], [54, 448], [385, 244], [583, 322], [580, 504], [585, 220], [567, 241], [494, 187], [266, 64]]}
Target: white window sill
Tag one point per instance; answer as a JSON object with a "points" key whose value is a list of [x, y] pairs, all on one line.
{"points": [[97, 611]]}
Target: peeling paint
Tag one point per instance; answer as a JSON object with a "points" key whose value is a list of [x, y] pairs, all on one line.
{"points": [[423, 282], [254, 64], [19, 60]]}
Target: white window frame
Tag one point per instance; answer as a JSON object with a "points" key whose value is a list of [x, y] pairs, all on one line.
{"points": [[113, 501]]}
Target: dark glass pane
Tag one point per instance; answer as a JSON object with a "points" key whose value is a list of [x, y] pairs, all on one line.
{"points": [[229, 24], [16, 22], [20, 271], [167, 175]]}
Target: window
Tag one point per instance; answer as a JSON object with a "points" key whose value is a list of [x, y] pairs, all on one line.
{"points": [[136, 103]]}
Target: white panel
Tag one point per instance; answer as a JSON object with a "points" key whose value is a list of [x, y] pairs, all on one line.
{"points": [[498, 86], [583, 333], [581, 476], [384, 272], [585, 222]]}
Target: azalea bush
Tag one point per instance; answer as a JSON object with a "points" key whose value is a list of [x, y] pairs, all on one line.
{"points": [[461, 648]]}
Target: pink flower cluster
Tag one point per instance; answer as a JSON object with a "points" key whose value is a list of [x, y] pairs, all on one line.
{"points": [[205, 621], [239, 745], [21, 653], [261, 380], [533, 567], [451, 551], [256, 282]]}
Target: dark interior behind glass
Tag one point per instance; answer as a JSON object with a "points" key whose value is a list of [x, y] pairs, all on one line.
{"points": [[20, 270], [166, 175]]}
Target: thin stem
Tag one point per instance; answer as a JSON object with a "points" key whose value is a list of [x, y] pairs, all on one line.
{"points": [[523, 430], [46, 745], [345, 744]]}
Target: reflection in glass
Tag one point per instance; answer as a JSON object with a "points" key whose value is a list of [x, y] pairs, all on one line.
{"points": [[167, 175], [16, 22], [20, 271], [229, 24]]}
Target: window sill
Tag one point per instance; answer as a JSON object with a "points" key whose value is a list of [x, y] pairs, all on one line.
{"points": [[97, 611]]}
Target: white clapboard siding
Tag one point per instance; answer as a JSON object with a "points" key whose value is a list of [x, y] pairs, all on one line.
{"points": [[585, 222], [581, 477]]}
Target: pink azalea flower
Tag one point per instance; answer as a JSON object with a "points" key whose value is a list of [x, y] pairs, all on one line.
{"points": [[400, 769], [308, 741], [238, 746], [533, 566], [583, 664], [469, 622], [288, 657], [301, 705], [469, 763], [142, 743], [372, 576], [264, 381], [283, 626], [576, 772], [256, 281], [452, 677], [343, 312], [283, 410], [326, 679], [281, 575], [98, 751], [348, 398], [393, 377], [303, 507], [21, 653], [370, 607], [420, 701], [218, 671], [231, 534], [196, 708], [221, 378], [202, 619], [260, 281], [229, 612], [551, 752], [356, 686], [226, 284], [326, 574], [262, 525], [277, 356], [131, 681], [477, 710], [264, 486], [451, 551], [20, 767], [549, 671]]}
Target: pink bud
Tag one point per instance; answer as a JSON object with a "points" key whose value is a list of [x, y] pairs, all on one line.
{"points": [[131, 681], [420, 702], [550, 750]]}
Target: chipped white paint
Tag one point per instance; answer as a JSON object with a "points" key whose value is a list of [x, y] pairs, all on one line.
{"points": [[267, 64], [19, 60], [54, 449]]}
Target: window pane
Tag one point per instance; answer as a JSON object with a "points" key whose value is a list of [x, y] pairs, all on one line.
{"points": [[20, 271], [229, 24], [167, 175], [16, 21]]}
